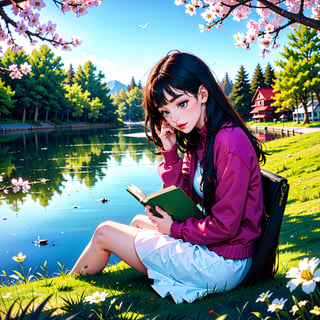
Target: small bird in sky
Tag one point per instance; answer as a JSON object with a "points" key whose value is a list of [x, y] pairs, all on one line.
{"points": [[143, 26]]}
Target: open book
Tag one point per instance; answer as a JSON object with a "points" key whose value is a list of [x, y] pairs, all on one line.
{"points": [[173, 200]]}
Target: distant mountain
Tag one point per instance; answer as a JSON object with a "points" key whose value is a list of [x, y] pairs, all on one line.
{"points": [[115, 86]]}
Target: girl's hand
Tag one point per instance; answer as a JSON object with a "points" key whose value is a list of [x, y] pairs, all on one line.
{"points": [[163, 224], [167, 136]]}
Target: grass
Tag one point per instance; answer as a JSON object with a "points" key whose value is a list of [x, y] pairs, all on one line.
{"points": [[293, 157]]}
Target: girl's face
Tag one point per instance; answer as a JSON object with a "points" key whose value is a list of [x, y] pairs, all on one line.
{"points": [[184, 112]]}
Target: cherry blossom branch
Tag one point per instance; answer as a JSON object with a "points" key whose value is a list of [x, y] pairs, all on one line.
{"points": [[274, 17], [19, 183]]}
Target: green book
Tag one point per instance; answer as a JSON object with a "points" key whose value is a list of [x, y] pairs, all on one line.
{"points": [[172, 199]]}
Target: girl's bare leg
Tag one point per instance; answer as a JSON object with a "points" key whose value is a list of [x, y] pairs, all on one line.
{"points": [[142, 221], [109, 237]]}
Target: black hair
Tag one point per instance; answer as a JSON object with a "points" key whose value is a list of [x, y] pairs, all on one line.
{"points": [[186, 72]]}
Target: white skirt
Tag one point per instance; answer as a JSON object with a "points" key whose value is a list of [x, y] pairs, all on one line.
{"points": [[186, 271]]}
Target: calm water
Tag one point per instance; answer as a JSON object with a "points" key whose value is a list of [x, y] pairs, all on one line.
{"points": [[84, 166]]}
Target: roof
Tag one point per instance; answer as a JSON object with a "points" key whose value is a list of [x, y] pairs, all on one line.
{"points": [[262, 108], [267, 93]]}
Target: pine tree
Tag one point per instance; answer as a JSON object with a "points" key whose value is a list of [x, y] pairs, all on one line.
{"points": [[269, 76], [131, 85], [227, 84], [70, 78], [298, 76], [257, 80], [240, 94]]}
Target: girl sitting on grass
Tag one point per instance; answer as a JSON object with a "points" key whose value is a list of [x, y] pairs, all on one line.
{"points": [[187, 110]]}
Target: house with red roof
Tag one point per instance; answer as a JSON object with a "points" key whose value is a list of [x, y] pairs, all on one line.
{"points": [[262, 110]]}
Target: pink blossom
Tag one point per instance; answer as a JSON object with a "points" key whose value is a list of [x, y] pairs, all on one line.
{"points": [[21, 27], [25, 186], [17, 182], [179, 2], [65, 47], [51, 27], [15, 10], [34, 20], [41, 28], [190, 9], [13, 68], [81, 10], [33, 42], [240, 38], [6, 191], [197, 3], [1, 178], [25, 68], [3, 36], [37, 4], [76, 42], [26, 12], [269, 28], [16, 48], [208, 15]]}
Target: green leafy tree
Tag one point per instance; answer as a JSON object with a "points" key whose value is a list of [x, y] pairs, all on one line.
{"points": [[79, 100], [21, 87], [6, 101], [257, 80], [120, 103], [227, 84], [136, 110], [95, 107], [48, 76], [92, 81], [269, 76], [299, 68], [240, 94]]}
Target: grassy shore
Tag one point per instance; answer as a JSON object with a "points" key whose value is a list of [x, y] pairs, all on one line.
{"points": [[295, 158]]}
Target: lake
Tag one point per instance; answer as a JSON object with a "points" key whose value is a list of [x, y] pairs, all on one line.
{"points": [[84, 166]]}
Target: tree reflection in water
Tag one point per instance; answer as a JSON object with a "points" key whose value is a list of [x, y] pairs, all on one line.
{"points": [[84, 166]]}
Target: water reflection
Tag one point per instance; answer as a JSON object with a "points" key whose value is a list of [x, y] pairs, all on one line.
{"points": [[83, 166]]}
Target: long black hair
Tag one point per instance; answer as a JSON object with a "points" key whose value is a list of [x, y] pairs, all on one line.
{"points": [[186, 72]]}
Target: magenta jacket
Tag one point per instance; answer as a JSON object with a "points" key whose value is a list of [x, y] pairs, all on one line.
{"points": [[233, 225]]}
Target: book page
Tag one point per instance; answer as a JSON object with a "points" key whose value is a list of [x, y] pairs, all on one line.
{"points": [[137, 192], [161, 191]]}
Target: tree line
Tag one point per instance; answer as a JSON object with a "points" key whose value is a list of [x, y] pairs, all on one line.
{"points": [[51, 93]]}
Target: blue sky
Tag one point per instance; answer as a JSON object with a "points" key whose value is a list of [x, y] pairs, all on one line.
{"points": [[118, 47]]}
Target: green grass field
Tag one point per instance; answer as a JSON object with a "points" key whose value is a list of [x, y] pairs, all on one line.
{"points": [[296, 158]]}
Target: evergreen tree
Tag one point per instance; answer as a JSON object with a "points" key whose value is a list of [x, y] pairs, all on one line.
{"points": [[257, 80], [92, 81], [298, 77], [132, 84], [240, 94], [269, 76], [227, 84], [70, 77]]}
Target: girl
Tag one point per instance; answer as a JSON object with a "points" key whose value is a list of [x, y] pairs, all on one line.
{"points": [[187, 110]]}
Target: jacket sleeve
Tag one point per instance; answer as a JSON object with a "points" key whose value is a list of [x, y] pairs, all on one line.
{"points": [[174, 170], [237, 197]]}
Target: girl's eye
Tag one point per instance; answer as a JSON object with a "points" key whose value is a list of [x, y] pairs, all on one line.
{"points": [[165, 113], [182, 104]]}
